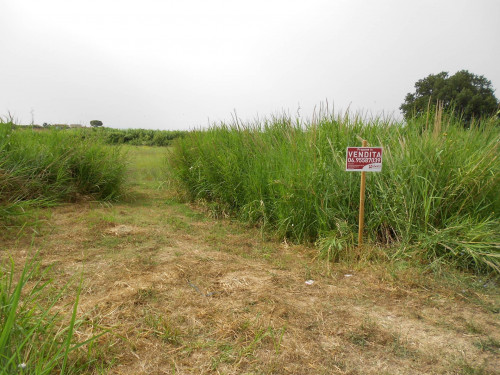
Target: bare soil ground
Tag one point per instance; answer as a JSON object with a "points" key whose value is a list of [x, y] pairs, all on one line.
{"points": [[183, 293]]}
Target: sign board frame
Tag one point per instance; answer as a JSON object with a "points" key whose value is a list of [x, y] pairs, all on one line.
{"points": [[364, 159]]}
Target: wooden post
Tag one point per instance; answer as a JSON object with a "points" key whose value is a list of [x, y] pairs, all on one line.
{"points": [[362, 204]]}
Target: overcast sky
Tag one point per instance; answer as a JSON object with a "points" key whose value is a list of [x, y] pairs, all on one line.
{"points": [[179, 64]]}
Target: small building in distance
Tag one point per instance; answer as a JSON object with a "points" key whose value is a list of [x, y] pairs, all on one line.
{"points": [[60, 126]]}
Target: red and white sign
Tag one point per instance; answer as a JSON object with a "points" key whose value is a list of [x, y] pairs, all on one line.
{"points": [[364, 159]]}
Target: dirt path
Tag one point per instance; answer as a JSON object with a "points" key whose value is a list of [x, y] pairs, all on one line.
{"points": [[185, 294]]}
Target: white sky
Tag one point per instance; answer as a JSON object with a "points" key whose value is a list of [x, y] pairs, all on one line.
{"points": [[178, 64]]}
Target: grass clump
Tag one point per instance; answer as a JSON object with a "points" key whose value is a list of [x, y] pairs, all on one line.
{"points": [[437, 197], [34, 339], [43, 168]]}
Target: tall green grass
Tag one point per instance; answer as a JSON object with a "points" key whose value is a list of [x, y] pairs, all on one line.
{"points": [[42, 168], [110, 136], [137, 137], [33, 338], [436, 198], [132, 137]]}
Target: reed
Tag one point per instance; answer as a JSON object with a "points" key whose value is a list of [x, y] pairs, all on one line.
{"points": [[437, 197], [43, 168]]}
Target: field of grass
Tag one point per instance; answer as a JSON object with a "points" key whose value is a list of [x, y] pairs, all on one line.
{"points": [[171, 290], [110, 136], [42, 169], [123, 275], [436, 199], [133, 137], [146, 166]]}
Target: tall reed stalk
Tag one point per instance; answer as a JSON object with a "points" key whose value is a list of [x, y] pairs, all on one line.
{"points": [[42, 168], [436, 196]]}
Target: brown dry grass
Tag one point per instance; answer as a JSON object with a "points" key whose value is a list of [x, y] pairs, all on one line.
{"points": [[185, 294]]}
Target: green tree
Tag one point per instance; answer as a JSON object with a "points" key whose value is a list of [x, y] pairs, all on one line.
{"points": [[95, 123], [470, 95]]}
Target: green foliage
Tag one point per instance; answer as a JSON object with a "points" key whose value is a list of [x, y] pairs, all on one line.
{"points": [[39, 168], [470, 95], [95, 123], [140, 137], [33, 339], [133, 137], [437, 197]]}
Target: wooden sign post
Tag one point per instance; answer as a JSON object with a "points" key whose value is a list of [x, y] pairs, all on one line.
{"points": [[363, 159], [362, 203]]}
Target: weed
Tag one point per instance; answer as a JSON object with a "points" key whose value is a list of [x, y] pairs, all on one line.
{"points": [[145, 295], [466, 368], [260, 336], [400, 346], [176, 223], [147, 261], [32, 337], [226, 355], [266, 251], [162, 327], [368, 333], [489, 344], [473, 328]]}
